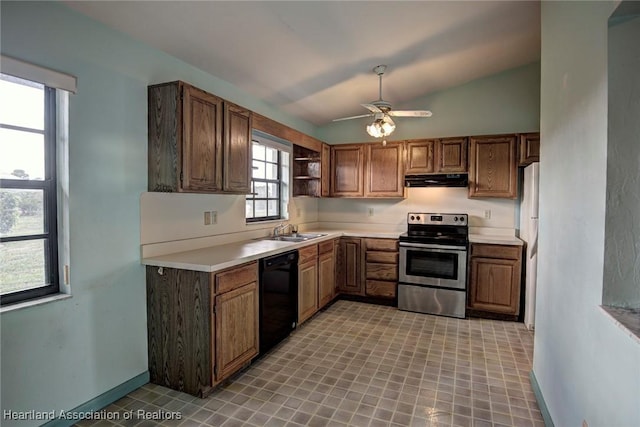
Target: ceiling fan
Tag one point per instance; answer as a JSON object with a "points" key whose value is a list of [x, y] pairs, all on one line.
{"points": [[381, 110]]}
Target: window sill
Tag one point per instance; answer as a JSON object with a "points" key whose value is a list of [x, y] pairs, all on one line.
{"points": [[267, 222], [32, 303], [627, 319]]}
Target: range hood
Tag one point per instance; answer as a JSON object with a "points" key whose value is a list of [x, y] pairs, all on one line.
{"points": [[439, 180]]}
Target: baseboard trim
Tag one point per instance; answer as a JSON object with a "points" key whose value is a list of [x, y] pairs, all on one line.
{"points": [[105, 399], [546, 416]]}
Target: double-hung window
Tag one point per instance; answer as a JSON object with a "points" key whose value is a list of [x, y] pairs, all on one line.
{"points": [[269, 180], [28, 185]]}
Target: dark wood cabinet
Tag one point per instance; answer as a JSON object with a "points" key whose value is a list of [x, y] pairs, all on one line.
{"points": [[384, 170], [325, 171], [202, 327], [347, 163], [381, 267], [528, 148], [197, 142], [495, 280], [443, 155], [492, 167], [349, 277], [236, 170]]}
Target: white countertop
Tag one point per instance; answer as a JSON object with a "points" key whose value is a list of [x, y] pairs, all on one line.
{"points": [[215, 258], [495, 239]]}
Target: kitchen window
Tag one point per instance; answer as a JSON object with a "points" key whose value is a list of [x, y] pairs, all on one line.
{"points": [[34, 183], [269, 180], [28, 198]]}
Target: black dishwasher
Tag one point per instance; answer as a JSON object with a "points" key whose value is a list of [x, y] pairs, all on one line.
{"points": [[278, 298]]}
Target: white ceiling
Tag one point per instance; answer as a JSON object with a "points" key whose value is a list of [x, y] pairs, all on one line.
{"points": [[313, 59]]}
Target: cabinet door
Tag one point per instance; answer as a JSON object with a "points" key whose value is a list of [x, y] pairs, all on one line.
{"points": [[326, 278], [529, 149], [325, 171], [237, 149], [350, 259], [451, 155], [347, 170], [494, 285], [201, 140], [236, 332], [493, 168], [420, 156], [307, 290], [384, 170]]}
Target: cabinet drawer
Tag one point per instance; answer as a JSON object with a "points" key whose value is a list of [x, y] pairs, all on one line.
{"points": [[382, 257], [496, 251], [235, 277], [379, 288], [381, 244], [307, 253], [382, 271], [325, 247]]}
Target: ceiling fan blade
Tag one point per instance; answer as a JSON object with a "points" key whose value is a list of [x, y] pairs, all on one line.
{"points": [[352, 117], [410, 113], [372, 108]]}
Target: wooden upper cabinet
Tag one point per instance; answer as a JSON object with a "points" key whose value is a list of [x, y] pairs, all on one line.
{"points": [[202, 130], [451, 155], [420, 156], [446, 155], [198, 142], [528, 148], [347, 170], [237, 149], [325, 171], [384, 170], [492, 168]]}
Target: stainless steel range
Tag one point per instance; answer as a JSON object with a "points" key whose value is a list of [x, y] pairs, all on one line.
{"points": [[433, 264]]}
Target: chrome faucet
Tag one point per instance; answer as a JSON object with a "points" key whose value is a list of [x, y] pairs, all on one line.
{"points": [[280, 228]]}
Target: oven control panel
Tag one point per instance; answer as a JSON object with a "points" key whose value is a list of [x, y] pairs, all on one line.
{"points": [[437, 218]]}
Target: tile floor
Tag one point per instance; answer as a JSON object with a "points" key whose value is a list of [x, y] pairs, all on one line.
{"points": [[358, 364]]}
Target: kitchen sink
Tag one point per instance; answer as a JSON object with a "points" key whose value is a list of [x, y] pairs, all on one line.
{"points": [[296, 237]]}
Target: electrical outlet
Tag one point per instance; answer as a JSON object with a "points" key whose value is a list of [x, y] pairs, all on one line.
{"points": [[487, 214], [370, 211], [207, 218], [214, 217]]}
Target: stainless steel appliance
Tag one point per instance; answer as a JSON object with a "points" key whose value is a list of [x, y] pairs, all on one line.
{"points": [[433, 264], [278, 298]]}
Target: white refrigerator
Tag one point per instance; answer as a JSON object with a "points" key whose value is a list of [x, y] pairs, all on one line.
{"points": [[529, 233]]}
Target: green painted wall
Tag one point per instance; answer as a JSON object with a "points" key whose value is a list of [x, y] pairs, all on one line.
{"points": [[62, 354], [501, 103]]}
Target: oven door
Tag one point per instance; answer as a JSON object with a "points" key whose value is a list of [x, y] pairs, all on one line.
{"points": [[433, 265]]}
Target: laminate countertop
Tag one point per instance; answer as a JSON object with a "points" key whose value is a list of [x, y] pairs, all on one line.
{"points": [[216, 258]]}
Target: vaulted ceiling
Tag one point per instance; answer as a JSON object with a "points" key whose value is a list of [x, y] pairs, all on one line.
{"points": [[314, 59]]}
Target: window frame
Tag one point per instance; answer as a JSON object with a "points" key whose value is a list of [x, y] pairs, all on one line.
{"points": [[252, 197], [49, 187]]}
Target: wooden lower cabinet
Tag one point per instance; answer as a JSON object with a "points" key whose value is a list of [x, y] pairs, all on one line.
{"points": [[495, 279], [202, 327], [326, 276], [349, 277], [307, 290], [381, 267]]}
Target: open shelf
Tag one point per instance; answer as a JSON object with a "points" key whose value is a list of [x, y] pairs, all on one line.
{"points": [[306, 172]]}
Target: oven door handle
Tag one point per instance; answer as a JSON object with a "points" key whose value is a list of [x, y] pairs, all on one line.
{"points": [[431, 246]]}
